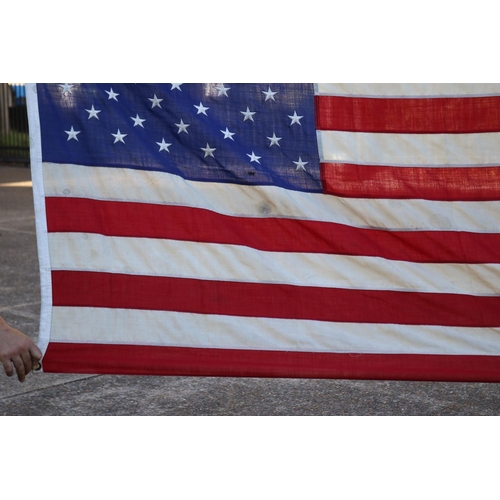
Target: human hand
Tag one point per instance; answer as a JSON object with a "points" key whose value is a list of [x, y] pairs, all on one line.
{"points": [[18, 353]]}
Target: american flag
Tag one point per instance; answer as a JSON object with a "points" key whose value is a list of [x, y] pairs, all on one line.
{"points": [[273, 230]]}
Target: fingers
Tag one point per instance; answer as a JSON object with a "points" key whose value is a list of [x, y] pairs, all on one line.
{"points": [[8, 367], [20, 366], [27, 361]]}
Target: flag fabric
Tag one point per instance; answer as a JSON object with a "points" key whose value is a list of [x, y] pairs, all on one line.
{"points": [[269, 230]]}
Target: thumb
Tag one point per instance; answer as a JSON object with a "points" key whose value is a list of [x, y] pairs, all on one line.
{"points": [[36, 355]]}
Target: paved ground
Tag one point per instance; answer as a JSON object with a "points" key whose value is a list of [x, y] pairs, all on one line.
{"points": [[54, 394]]}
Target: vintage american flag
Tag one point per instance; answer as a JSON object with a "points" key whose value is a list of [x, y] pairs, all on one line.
{"points": [[275, 230]]}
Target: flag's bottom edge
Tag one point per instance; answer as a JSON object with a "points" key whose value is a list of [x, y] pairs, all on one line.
{"points": [[204, 362]]}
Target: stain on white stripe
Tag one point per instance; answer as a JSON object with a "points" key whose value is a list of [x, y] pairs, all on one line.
{"points": [[247, 201]]}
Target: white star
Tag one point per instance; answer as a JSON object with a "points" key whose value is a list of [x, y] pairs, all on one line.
{"points": [[295, 118], [208, 151], [269, 94], [111, 94], [301, 164], [254, 157], [227, 134], [72, 134], [176, 86], [182, 127], [201, 109], [164, 145], [119, 137], [223, 90], [93, 112], [155, 102], [274, 140], [66, 88], [138, 120], [247, 114]]}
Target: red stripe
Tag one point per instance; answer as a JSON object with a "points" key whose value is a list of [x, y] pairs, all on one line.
{"points": [[407, 116], [92, 289], [268, 234], [442, 184], [154, 360]]}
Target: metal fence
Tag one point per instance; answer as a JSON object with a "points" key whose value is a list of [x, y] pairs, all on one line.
{"points": [[14, 136]]}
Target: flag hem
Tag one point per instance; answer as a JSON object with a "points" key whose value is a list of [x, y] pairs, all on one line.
{"points": [[40, 217], [202, 362]]}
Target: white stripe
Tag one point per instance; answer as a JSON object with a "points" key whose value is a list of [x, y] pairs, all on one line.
{"points": [[434, 150], [408, 89], [208, 261], [251, 201], [123, 326]]}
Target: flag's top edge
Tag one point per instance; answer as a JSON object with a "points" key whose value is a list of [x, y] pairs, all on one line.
{"points": [[403, 96], [403, 90], [408, 90]]}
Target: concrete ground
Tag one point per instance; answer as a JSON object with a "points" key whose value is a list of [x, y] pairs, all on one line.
{"points": [[67, 394]]}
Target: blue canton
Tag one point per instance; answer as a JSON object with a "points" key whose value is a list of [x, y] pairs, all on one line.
{"points": [[254, 134]]}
